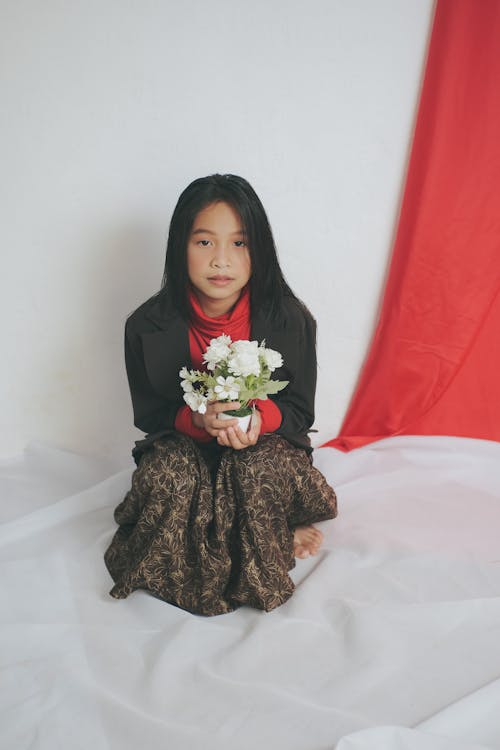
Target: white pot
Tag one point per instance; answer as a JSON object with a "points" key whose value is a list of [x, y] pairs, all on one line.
{"points": [[243, 422]]}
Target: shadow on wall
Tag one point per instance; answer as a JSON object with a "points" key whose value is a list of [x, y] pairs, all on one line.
{"points": [[124, 267]]}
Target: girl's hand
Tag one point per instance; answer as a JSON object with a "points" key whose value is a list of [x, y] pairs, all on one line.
{"points": [[209, 421], [234, 437]]}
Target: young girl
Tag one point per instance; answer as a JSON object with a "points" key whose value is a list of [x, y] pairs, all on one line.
{"points": [[215, 516]]}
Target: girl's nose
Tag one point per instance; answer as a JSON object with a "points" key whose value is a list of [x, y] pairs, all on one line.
{"points": [[221, 256]]}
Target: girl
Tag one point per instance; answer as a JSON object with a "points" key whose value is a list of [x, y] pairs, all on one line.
{"points": [[216, 516]]}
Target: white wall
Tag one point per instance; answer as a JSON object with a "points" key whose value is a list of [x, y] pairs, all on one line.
{"points": [[110, 108]]}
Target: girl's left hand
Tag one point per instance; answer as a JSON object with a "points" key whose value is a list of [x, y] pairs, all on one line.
{"points": [[235, 438]]}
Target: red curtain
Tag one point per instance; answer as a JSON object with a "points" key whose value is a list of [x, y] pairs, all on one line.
{"points": [[433, 367]]}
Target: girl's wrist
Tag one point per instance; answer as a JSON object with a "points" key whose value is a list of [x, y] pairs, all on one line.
{"points": [[197, 420]]}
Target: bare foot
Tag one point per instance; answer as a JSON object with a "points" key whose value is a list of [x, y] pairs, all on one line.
{"points": [[306, 541]]}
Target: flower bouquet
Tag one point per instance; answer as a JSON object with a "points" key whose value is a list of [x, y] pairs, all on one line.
{"points": [[236, 371]]}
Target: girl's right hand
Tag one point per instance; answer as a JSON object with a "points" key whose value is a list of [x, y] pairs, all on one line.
{"points": [[210, 422]]}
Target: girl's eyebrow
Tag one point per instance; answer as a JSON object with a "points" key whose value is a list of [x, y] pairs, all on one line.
{"points": [[209, 231], [202, 231]]}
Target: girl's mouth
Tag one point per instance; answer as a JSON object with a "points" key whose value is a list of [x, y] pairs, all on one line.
{"points": [[220, 280]]}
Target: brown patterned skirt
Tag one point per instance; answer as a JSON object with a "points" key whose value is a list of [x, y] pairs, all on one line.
{"points": [[209, 528]]}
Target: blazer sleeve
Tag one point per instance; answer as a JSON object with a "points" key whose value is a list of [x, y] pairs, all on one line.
{"points": [[296, 401], [152, 412]]}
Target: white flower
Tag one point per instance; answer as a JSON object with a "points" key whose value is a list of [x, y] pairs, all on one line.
{"points": [[240, 371], [272, 358], [187, 386], [196, 401], [244, 358], [217, 351], [190, 377], [227, 388]]}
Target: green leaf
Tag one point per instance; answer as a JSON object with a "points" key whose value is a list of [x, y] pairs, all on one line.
{"points": [[276, 385]]}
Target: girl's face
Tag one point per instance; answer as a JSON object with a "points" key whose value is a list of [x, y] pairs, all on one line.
{"points": [[218, 258]]}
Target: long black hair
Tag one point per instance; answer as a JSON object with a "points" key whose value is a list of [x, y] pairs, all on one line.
{"points": [[267, 283]]}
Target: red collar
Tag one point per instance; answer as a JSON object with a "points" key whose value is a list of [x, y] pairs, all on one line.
{"points": [[235, 323], [230, 323]]}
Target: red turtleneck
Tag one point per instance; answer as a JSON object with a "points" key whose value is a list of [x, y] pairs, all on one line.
{"points": [[236, 324]]}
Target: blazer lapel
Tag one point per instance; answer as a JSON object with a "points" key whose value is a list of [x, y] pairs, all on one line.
{"points": [[276, 337], [166, 350]]}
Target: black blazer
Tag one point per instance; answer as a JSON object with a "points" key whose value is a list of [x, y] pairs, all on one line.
{"points": [[157, 346]]}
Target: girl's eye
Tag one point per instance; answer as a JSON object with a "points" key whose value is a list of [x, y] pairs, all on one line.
{"points": [[204, 243], [240, 243]]}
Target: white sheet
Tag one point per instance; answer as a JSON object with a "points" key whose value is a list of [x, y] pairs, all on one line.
{"points": [[391, 640]]}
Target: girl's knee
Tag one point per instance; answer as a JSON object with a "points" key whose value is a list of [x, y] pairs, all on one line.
{"points": [[255, 465], [170, 461]]}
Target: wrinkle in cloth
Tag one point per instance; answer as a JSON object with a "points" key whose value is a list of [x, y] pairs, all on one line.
{"points": [[433, 362]]}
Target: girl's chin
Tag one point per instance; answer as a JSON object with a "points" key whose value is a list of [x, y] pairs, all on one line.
{"points": [[220, 291]]}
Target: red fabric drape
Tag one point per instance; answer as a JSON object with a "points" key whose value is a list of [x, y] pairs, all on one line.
{"points": [[433, 367]]}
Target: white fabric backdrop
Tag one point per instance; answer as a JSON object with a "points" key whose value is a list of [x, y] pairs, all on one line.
{"points": [[110, 108], [390, 641]]}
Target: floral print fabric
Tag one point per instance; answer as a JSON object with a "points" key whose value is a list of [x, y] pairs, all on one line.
{"points": [[210, 529]]}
